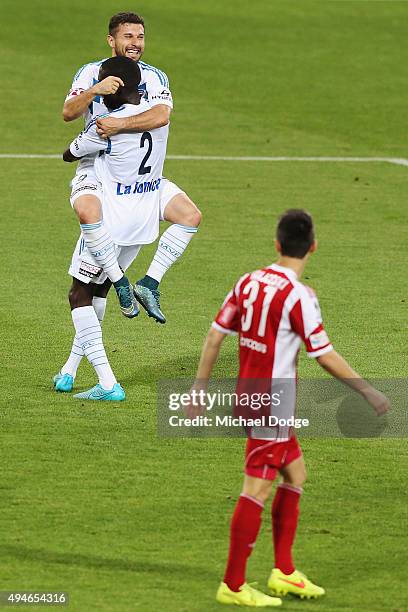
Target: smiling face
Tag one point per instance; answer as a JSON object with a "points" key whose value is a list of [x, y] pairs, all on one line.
{"points": [[128, 40]]}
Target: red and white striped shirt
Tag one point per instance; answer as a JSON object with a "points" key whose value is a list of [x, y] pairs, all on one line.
{"points": [[273, 313]]}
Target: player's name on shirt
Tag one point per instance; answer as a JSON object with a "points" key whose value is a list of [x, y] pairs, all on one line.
{"points": [[270, 278]]}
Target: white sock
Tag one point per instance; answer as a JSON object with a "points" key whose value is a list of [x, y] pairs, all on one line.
{"points": [[101, 246], [75, 357], [99, 306], [89, 335], [172, 245]]}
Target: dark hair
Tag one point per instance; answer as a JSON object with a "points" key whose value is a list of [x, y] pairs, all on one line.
{"points": [[127, 70], [120, 18], [295, 233]]}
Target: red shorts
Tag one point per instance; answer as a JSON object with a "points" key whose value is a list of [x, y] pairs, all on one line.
{"points": [[264, 458]]}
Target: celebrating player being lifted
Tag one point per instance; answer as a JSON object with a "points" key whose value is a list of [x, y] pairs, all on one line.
{"points": [[127, 174], [126, 38], [271, 309]]}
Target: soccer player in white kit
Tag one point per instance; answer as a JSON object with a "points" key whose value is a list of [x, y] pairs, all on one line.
{"points": [[126, 38], [128, 175]]}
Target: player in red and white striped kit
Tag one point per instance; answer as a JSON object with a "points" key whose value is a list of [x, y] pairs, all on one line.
{"points": [[273, 313]]}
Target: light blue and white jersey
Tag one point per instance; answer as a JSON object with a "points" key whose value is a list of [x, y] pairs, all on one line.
{"points": [[129, 168], [153, 87]]}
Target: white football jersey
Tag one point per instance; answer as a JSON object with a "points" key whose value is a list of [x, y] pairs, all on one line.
{"points": [[153, 87], [129, 167]]}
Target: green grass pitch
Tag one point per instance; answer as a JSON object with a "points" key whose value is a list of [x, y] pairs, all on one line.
{"points": [[91, 500]]}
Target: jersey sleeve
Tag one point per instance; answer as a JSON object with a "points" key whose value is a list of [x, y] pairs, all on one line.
{"points": [[83, 80], [158, 89], [89, 142], [306, 321], [227, 319]]}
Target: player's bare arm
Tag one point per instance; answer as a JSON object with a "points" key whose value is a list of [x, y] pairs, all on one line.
{"points": [[68, 157], [338, 367], [154, 118], [76, 106], [209, 355]]}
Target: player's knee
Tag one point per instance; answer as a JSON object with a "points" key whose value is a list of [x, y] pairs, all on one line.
{"points": [[79, 296], [263, 495], [194, 219], [88, 209], [296, 480], [258, 489], [191, 216]]}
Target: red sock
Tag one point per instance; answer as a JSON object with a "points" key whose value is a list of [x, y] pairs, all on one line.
{"points": [[285, 514], [245, 525]]}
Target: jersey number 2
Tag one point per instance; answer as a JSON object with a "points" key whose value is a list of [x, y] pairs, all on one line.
{"points": [[146, 136]]}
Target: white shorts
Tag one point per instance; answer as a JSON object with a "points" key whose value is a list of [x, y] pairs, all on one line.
{"points": [[167, 191], [86, 269], [85, 182]]}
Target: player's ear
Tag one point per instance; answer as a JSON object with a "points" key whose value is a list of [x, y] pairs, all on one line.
{"points": [[278, 247], [111, 41], [313, 247]]}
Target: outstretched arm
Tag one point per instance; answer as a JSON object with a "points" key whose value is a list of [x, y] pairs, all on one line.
{"points": [[76, 106], [338, 367], [154, 118]]}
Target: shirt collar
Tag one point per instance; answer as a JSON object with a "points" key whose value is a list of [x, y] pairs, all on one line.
{"points": [[291, 274]]}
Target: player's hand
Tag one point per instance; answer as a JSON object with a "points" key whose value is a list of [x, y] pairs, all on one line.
{"points": [[110, 85], [197, 405], [108, 127], [378, 401]]}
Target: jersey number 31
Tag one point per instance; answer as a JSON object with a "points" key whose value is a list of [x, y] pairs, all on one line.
{"points": [[252, 290]]}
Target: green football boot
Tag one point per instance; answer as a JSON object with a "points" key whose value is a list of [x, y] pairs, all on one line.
{"points": [[128, 304], [98, 393], [63, 383], [150, 300]]}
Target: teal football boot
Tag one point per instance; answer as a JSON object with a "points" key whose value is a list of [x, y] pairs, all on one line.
{"points": [[128, 304], [150, 300], [98, 393], [63, 383]]}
